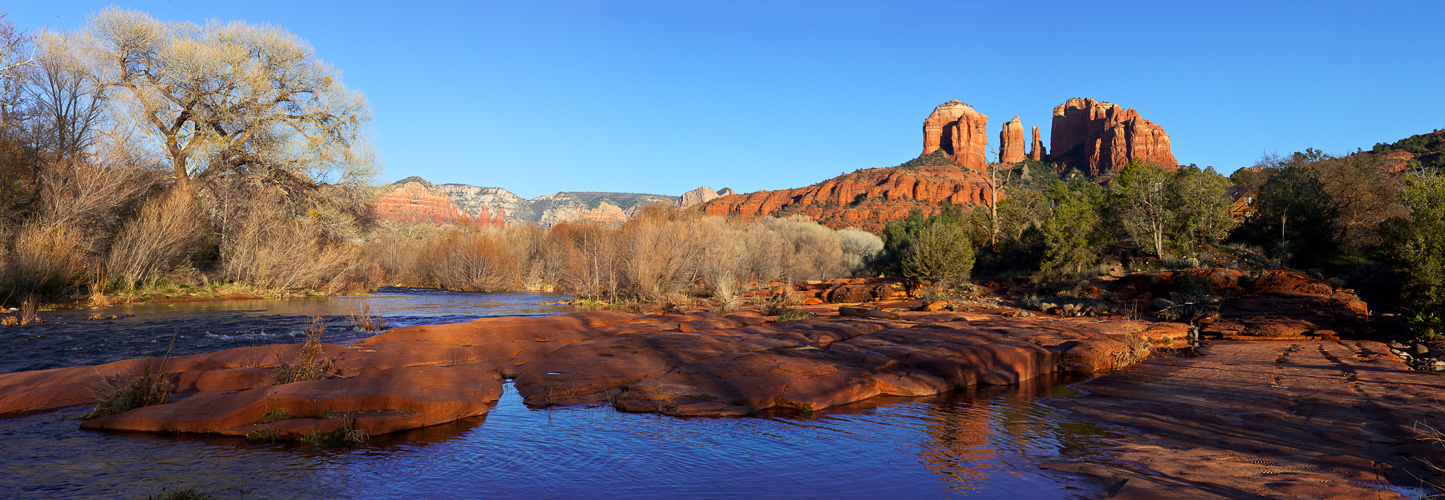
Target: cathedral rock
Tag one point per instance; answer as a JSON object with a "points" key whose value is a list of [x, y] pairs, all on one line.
{"points": [[1099, 137], [1011, 142], [959, 131]]}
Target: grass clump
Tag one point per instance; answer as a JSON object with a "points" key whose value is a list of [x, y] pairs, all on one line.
{"points": [[363, 320], [346, 435], [262, 436], [182, 494], [310, 363], [116, 395], [795, 315]]}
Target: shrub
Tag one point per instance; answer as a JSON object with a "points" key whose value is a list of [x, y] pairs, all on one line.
{"points": [[46, 257], [156, 241], [940, 253], [271, 248], [473, 261]]}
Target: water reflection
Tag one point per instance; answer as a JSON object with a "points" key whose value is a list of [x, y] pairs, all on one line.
{"points": [[982, 444]]}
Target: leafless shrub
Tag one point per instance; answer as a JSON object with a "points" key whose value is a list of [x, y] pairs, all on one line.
{"points": [[476, 261], [271, 248], [156, 241], [46, 256]]}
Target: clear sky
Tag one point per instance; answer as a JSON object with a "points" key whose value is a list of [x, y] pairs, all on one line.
{"points": [[667, 95]]}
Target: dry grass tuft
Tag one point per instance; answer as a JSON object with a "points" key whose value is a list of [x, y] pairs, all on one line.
{"points": [[362, 319], [116, 395], [310, 364]]}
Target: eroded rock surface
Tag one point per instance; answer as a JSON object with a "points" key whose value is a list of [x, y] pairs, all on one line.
{"points": [[1011, 142], [698, 363], [1319, 420]]}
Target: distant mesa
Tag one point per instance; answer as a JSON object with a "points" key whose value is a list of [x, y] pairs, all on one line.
{"points": [[697, 196], [414, 200]]}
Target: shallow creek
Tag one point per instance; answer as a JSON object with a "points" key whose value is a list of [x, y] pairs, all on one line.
{"points": [[984, 443]]}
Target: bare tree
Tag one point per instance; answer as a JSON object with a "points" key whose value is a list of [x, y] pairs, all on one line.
{"points": [[233, 97], [68, 98], [14, 57]]}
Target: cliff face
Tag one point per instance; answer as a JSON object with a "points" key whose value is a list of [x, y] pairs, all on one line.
{"points": [[553, 208], [703, 194], [959, 131], [1011, 142], [866, 199], [414, 200], [1098, 137]]}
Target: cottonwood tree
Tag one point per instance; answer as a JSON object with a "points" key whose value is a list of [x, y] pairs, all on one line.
{"points": [[232, 98]]}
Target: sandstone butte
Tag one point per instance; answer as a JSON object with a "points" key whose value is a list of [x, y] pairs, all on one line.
{"points": [[1098, 137], [414, 202], [697, 196], [1011, 142], [1309, 417], [959, 131], [866, 199]]}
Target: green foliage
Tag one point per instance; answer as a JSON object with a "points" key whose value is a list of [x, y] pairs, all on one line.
{"points": [[940, 252], [1200, 202], [1074, 234], [1141, 195], [937, 158], [899, 235], [1416, 245], [1294, 213]]}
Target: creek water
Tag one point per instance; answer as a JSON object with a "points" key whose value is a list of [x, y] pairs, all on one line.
{"points": [[983, 443]]}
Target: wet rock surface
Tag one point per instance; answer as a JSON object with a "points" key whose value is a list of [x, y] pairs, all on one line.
{"points": [[1319, 419], [694, 364]]}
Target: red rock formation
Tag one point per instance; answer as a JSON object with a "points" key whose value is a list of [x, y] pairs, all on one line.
{"points": [[1099, 137], [866, 199], [959, 131], [1036, 149], [416, 202], [1011, 142]]}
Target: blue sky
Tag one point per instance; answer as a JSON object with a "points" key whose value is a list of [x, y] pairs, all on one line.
{"points": [[664, 96]]}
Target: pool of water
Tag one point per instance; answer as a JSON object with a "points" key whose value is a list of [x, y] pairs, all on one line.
{"points": [[983, 443]]}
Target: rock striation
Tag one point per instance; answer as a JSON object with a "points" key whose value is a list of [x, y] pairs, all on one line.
{"points": [[1036, 148], [413, 200], [1011, 141], [959, 131], [866, 199], [1098, 137]]}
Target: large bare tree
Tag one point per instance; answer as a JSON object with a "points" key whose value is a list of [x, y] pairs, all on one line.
{"points": [[233, 98]]}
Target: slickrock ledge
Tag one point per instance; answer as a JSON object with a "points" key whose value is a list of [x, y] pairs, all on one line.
{"points": [[694, 364], [1318, 419]]}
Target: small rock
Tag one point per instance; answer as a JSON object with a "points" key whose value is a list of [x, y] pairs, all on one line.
{"points": [[1163, 303], [1435, 365], [937, 305], [1421, 349], [812, 301], [1396, 345]]}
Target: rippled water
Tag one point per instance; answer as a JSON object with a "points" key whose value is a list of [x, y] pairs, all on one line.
{"points": [[70, 338], [985, 443]]}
